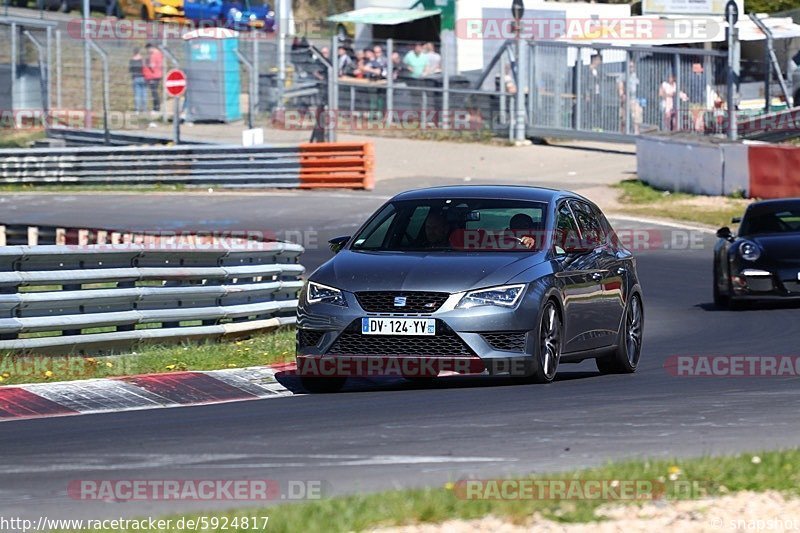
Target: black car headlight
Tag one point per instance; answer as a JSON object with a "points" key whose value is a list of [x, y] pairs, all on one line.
{"points": [[503, 296], [319, 293], [749, 251]]}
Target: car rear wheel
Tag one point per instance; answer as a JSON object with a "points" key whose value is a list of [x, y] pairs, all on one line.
{"points": [[625, 358], [548, 349], [319, 385]]}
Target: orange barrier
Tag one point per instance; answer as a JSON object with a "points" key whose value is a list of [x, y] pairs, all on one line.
{"points": [[774, 171], [337, 165]]}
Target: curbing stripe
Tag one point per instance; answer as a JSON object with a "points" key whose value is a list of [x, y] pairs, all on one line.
{"points": [[151, 391]]}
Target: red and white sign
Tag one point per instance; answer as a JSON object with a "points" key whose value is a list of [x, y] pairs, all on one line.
{"points": [[175, 83]]}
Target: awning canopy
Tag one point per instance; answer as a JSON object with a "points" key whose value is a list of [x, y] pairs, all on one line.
{"points": [[383, 16]]}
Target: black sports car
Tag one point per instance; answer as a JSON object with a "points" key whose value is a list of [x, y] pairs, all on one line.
{"points": [[762, 262], [504, 277]]}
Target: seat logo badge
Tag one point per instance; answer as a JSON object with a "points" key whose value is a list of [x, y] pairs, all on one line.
{"points": [[399, 301]]}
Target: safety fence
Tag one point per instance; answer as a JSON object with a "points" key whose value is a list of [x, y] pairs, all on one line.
{"points": [[348, 165], [100, 298]]}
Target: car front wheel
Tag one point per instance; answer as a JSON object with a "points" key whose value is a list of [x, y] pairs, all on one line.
{"points": [[548, 348]]}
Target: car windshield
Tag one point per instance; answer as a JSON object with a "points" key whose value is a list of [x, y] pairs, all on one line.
{"points": [[455, 224], [781, 218]]}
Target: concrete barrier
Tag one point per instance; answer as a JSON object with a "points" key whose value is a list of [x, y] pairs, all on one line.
{"points": [[716, 167]]}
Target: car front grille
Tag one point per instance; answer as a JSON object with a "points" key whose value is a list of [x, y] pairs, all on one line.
{"points": [[309, 337], [443, 344], [506, 341], [415, 302]]}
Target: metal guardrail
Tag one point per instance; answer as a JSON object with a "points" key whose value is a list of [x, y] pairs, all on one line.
{"points": [[96, 298], [308, 165], [95, 137], [221, 165]]}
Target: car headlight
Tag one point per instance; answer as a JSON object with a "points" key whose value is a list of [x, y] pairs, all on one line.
{"points": [[504, 296], [318, 293], [749, 251]]}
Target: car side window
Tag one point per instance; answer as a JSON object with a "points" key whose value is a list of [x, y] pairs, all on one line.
{"points": [[566, 228], [592, 230]]}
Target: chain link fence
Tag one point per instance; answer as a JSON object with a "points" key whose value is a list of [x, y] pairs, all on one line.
{"points": [[326, 85]]}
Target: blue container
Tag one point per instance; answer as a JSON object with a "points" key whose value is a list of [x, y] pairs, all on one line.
{"points": [[212, 72]]}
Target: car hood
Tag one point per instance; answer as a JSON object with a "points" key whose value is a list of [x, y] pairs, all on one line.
{"points": [[778, 246], [419, 271]]}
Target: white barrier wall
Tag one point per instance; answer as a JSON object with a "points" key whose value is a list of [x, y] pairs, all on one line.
{"points": [[693, 166]]}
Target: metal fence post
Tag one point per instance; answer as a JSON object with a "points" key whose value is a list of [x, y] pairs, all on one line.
{"points": [[87, 64], [283, 21], [44, 79], [676, 100], [256, 83], [249, 66], [579, 90], [106, 88], [163, 82], [522, 82], [333, 86], [14, 60], [48, 59], [445, 51], [389, 82], [626, 91], [58, 69], [532, 92]]}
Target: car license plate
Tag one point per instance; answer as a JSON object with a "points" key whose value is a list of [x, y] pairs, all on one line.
{"points": [[398, 326]]}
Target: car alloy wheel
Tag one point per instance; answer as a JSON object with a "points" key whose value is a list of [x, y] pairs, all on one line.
{"points": [[549, 343]]}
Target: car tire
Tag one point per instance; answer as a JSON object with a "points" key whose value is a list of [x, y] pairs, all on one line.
{"points": [[720, 300], [549, 343], [625, 358], [318, 385]]}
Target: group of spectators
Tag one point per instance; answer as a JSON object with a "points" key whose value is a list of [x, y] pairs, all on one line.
{"points": [[371, 63], [146, 70]]}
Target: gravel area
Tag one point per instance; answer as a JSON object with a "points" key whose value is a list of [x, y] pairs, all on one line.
{"points": [[743, 511]]}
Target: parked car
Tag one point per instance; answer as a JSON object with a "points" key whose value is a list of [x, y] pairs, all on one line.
{"points": [[762, 260], [233, 14], [513, 278]]}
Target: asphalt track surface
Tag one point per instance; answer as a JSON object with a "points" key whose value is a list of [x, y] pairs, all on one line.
{"points": [[393, 434]]}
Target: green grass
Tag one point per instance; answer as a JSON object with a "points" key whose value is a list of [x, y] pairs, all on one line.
{"points": [[776, 470], [639, 198], [19, 138], [262, 349]]}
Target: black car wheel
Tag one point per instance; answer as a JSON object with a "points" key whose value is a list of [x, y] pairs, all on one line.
{"points": [[548, 349], [625, 358], [319, 385], [720, 300]]}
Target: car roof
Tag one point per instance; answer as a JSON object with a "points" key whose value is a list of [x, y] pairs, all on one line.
{"points": [[503, 192], [775, 203]]}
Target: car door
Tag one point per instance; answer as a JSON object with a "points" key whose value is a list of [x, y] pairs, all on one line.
{"points": [[579, 283], [608, 267]]}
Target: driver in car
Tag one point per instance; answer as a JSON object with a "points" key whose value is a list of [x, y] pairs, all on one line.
{"points": [[522, 228], [436, 230]]}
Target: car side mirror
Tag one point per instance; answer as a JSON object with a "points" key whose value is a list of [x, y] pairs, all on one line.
{"points": [[736, 220], [337, 243], [725, 233]]}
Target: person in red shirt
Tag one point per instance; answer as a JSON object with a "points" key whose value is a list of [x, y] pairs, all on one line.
{"points": [[152, 71]]}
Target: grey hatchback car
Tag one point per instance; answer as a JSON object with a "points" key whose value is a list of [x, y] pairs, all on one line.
{"points": [[504, 280]]}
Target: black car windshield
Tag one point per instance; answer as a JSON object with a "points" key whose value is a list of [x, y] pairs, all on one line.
{"points": [[454, 225], [780, 218]]}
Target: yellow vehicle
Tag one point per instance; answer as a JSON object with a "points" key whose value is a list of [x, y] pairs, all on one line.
{"points": [[164, 10]]}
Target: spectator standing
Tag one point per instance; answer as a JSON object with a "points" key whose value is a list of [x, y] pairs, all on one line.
{"points": [[593, 94], [360, 64], [634, 109], [152, 70], [345, 62], [698, 95], [667, 92], [135, 68], [380, 61], [416, 61], [398, 71], [434, 65]]}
